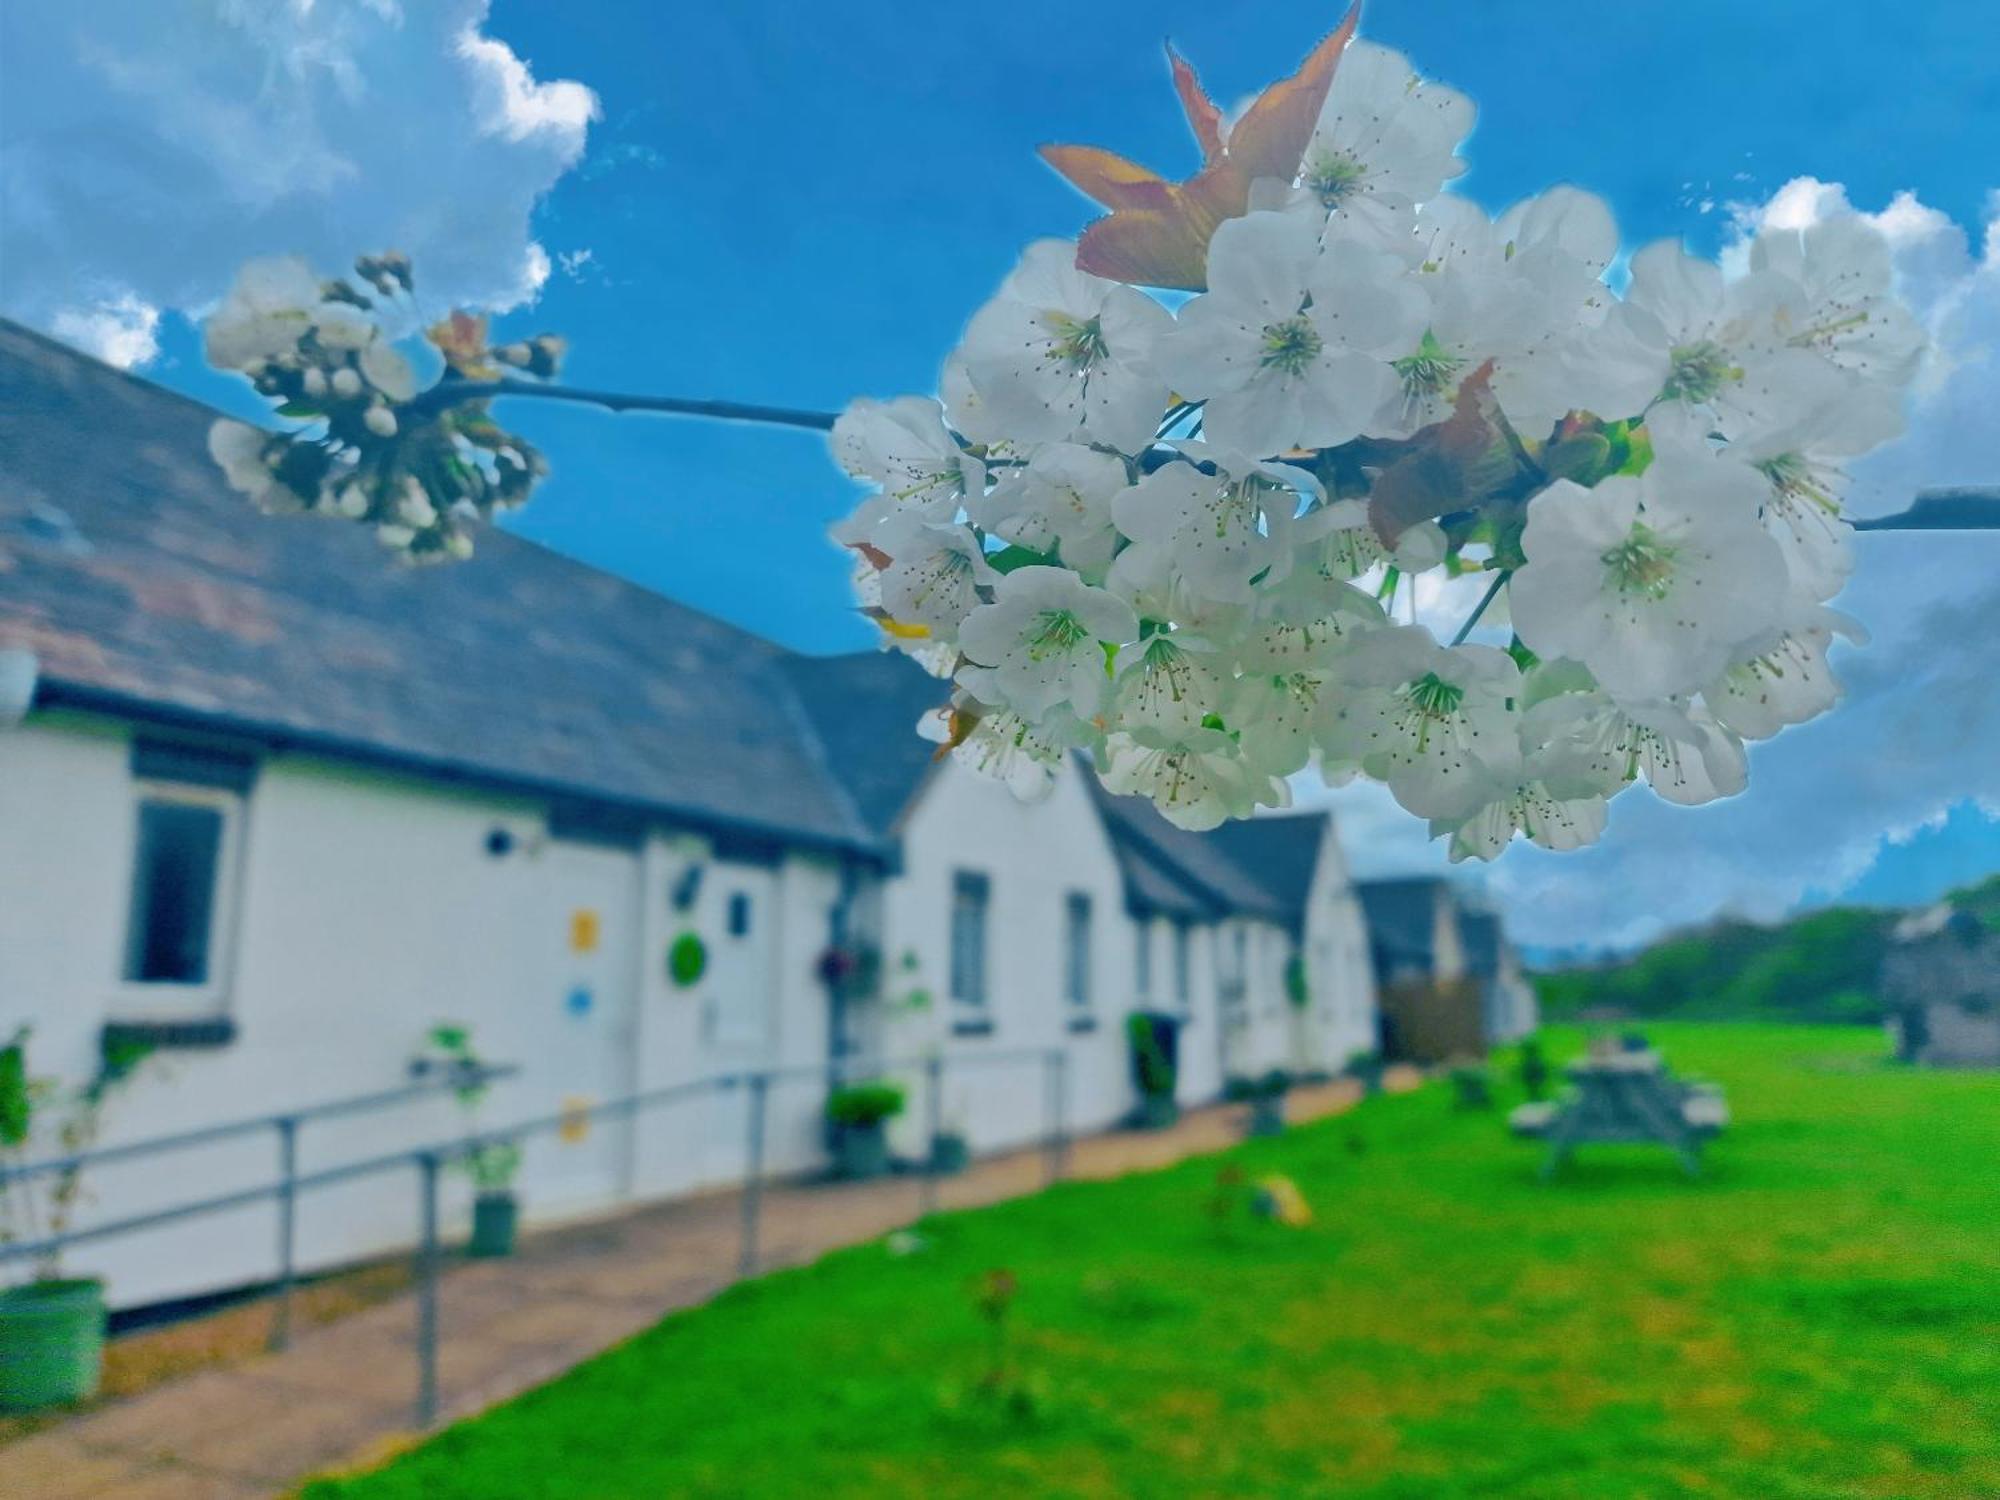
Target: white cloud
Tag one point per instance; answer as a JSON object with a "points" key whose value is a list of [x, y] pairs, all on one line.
{"points": [[151, 148], [1922, 719], [120, 329]]}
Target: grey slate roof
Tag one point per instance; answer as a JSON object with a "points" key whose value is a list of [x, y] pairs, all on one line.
{"points": [[146, 586], [1216, 872], [863, 711], [1402, 918], [1482, 937]]}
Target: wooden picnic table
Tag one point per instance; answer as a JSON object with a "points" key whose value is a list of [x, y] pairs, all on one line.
{"points": [[1628, 1096]]}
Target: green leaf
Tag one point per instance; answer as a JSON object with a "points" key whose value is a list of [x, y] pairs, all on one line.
{"points": [[1007, 559], [300, 411]]}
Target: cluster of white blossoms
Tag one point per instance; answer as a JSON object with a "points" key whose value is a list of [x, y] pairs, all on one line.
{"points": [[1204, 544], [365, 445]]}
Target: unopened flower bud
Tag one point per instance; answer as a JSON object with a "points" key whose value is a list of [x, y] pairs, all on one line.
{"points": [[380, 421], [346, 384]]}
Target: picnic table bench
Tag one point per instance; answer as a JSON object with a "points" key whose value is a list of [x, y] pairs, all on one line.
{"points": [[1625, 1096]]}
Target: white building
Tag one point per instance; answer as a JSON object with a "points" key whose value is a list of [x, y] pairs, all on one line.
{"points": [[280, 805]]}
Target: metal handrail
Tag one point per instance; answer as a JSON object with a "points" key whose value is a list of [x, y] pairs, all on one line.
{"points": [[430, 1159], [456, 1075], [463, 1076]]}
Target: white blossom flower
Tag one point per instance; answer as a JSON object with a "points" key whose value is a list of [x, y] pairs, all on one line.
{"points": [[387, 370], [1218, 531], [1274, 715], [1007, 748], [1341, 543], [936, 570], [1435, 723], [242, 453], [1783, 680], [903, 446], [1197, 781], [342, 326], [1061, 354], [1586, 744], [1059, 502], [1650, 582], [1532, 809], [1385, 142], [1729, 354], [1288, 345], [1042, 643], [1523, 294], [1168, 683], [266, 312], [1303, 623], [1846, 311]]}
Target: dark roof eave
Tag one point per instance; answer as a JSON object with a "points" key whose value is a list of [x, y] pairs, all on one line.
{"points": [[57, 692]]}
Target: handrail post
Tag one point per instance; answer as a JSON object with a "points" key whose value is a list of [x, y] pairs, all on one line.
{"points": [[288, 1217], [933, 1122], [1055, 1088], [753, 1173], [427, 1277]]}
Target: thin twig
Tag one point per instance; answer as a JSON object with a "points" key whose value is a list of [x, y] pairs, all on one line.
{"points": [[1492, 592], [450, 393]]}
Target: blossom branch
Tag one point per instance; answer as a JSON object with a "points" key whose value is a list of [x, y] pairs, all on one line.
{"points": [[450, 393], [1492, 592]]}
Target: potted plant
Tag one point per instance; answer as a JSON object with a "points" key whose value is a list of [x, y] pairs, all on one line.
{"points": [[52, 1326], [1265, 1095], [495, 1210], [950, 1152], [1366, 1069], [492, 1165], [1471, 1086], [1154, 1041], [859, 1114]]}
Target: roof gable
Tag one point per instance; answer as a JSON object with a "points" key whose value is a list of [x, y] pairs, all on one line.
{"points": [[145, 585]]}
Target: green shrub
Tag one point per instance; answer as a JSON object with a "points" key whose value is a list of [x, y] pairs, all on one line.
{"points": [[864, 1103]]}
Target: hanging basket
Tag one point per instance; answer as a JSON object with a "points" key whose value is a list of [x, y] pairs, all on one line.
{"points": [[687, 959]]}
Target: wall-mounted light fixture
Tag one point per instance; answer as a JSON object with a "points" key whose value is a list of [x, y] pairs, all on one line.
{"points": [[687, 888]]}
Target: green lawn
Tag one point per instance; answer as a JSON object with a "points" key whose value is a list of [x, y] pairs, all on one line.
{"points": [[1819, 1317]]}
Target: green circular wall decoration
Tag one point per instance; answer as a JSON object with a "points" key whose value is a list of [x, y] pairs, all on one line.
{"points": [[687, 959]]}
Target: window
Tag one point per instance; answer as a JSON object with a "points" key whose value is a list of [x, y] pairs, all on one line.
{"points": [[182, 871], [1183, 994], [1142, 966], [1076, 949], [969, 892], [739, 914]]}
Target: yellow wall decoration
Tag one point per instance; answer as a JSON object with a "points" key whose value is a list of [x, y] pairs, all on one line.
{"points": [[575, 1127], [583, 931]]}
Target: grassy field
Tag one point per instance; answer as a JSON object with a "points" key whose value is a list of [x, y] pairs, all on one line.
{"points": [[1819, 1317]]}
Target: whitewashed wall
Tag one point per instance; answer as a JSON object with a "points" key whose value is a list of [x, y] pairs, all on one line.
{"points": [[370, 908], [1032, 855], [1341, 1016]]}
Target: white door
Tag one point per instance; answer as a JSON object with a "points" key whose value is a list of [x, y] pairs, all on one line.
{"points": [[585, 1053], [738, 1005]]}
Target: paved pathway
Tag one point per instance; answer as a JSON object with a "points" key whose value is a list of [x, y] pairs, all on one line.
{"points": [[346, 1391]]}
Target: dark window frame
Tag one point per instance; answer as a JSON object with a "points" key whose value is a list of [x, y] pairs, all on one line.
{"points": [[970, 978]]}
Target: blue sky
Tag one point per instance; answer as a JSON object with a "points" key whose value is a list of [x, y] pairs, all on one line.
{"points": [[785, 204]]}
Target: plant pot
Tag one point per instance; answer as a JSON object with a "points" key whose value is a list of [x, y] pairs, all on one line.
{"points": [[1267, 1115], [1157, 1112], [495, 1217], [51, 1343], [862, 1150], [949, 1153]]}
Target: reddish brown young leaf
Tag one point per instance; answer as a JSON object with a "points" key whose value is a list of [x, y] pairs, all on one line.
{"points": [[1157, 232], [1204, 118], [1457, 464]]}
